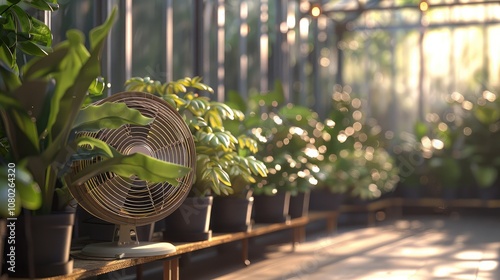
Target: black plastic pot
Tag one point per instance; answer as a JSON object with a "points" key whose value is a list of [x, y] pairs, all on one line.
{"points": [[324, 200], [231, 214], [299, 205], [42, 247], [488, 193], [271, 209], [3, 232], [190, 222]]}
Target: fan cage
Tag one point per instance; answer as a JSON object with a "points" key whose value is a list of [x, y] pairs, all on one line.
{"points": [[133, 201]]}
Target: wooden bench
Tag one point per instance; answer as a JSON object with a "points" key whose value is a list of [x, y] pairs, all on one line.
{"points": [[451, 203], [390, 205], [329, 216], [85, 268]]}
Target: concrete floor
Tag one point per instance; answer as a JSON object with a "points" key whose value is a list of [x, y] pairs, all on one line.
{"points": [[419, 247]]}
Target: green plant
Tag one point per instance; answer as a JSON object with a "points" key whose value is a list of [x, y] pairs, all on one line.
{"points": [[285, 140], [479, 117], [42, 115], [224, 160], [352, 158], [17, 190], [441, 144], [21, 33]]}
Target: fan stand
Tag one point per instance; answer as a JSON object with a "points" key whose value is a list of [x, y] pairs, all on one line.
{"points": [[127, 246]]}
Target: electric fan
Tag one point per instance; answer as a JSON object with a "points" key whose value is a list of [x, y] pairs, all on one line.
{"points": [[131, 202]]}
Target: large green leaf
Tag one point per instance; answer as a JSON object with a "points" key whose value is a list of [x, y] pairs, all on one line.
{"points": [[108, 115], [27, 193], [137, 164], [9, 78], [19, 127], [46, 5], [73, 98], [98, 34], [42, 67]]}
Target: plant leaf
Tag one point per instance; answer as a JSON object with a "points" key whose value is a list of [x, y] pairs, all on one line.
{"points": [[108, 115], [145, 167], [73, 97]]}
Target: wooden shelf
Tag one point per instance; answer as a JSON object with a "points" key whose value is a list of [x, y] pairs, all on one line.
{"points": [[84, 268]]}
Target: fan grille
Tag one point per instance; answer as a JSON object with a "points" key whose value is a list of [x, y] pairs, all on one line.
{"points": [[133, 201]]}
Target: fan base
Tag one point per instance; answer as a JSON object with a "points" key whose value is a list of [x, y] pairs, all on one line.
{"points": [[113, 250]]}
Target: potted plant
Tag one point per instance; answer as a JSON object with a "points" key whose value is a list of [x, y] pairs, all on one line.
{"points": [[412, 163], [221, 156], [232, 212], [441, 141], [285, 144], [356, 164], [330, 188], [17, 190], [41, 113], [479, 115]]}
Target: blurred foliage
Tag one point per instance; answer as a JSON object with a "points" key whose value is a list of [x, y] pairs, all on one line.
{"points": [[344, 153], [352, 155], [284, 135]]}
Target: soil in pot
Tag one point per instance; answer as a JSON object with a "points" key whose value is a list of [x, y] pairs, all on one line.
{"points": [[43, 245], [271, 209], [190, 222], [231, 214]]}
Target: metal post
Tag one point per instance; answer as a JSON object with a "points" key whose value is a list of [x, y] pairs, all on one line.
{"points": [[198, 38], [264, 46], [221, 20], [243, 55], [128, 39], [169, 40]]}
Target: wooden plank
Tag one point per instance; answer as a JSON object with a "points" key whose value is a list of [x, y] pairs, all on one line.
{"points": [[88, 268], [329, 216], [84, 268], [369, 206], [457, 203]]}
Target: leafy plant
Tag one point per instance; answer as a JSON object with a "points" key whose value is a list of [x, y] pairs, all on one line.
{"points": [[223, 159], [21, 33], [18, 191], [39, 113], [479, 127], [352, 158], [285, 140]]}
